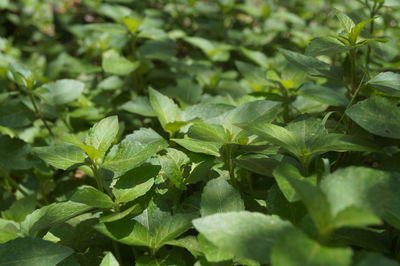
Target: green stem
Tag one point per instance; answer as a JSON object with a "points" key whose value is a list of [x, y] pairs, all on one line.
{"points": [[353, 77], [305, 163], [39, 113], [228, 158], [13, 182], [97, 176], [117, 252]]}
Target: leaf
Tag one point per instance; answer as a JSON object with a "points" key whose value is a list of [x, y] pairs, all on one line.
{"points": [[135, 149], [219, 196], [285, 170], [14, 154], [172, 164], [63, 91], [212, 252], [15, 114], [153, 228], [252, 73], [307, 138], [52, 214], [324, 95], [378, 116], [356, 30], [347, 22], [207, 132], [92, 197], [114, 63], [188, 242], [316, 203], [109, 260], [9, 230], [325, 46], [115, 216], [140, 105], [20, 208], [200, 146], [277, 204], [373, 259], [32, 252], [250, 112], [165, 108], [311, 65], [61, 156], [135, 183], [245, 234], [295, 248], [102, 134], [21, 75], [362, 189], [387, 82]]}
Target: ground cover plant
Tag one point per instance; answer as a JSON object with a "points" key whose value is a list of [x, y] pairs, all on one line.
{"points": [[195, 132]]}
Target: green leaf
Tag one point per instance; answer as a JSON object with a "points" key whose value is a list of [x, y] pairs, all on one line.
{"points": [[63, 91], [252, 73], [20, 208], [15, 114], [172, 165], [135, 149], [207, 132], [325, 46], [165, 108], [115, 216], [9, 230], [285, 170], [245, 234], [21, 75], [52, 214], [307, 138], [356, 30], [32, 252], [153, 228], [188, 242], [311, 65], [373, 259], [316, 203], [109, 260], [219, 196], [139, 105], [378, 116], [324, 95], [295, 248], [114, 63], [212, 252], [200, 146], [92, 197], [135, 183], [61, 156], [362, 189], [249, 113], [387, 82], [347, 22], [102, 134], [14, 154]]}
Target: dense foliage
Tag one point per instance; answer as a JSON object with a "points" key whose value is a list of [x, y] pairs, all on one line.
{"points": [[195, 132]]}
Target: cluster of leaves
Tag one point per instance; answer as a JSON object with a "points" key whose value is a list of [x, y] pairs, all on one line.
{"points": [[199, 132]]}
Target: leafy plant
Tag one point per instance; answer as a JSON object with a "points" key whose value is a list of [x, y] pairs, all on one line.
{"points": [[199, 132]]}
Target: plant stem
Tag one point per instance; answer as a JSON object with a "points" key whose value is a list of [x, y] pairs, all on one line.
{"points": [[39, 113], [353, 77], [97, 176], [305, 162], [116, 250], [228, 159], [13, 182]]}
